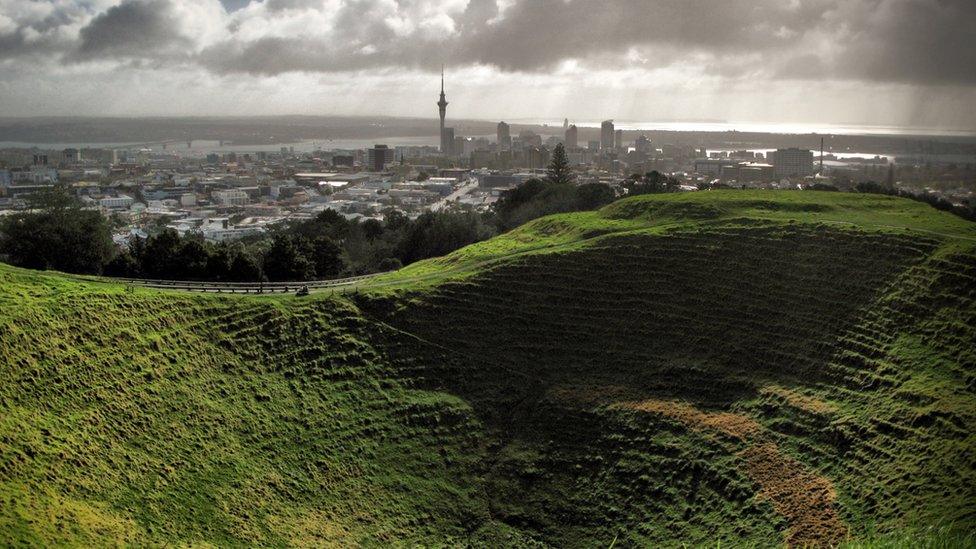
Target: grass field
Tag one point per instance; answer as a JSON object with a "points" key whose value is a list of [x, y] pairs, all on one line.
{"points": [[736, 368]]}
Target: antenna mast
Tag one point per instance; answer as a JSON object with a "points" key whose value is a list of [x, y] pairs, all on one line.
{"points": [[821, 155]]}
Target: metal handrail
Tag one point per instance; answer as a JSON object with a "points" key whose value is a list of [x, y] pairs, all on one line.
{"points": [[243, 287], [309, 283]]}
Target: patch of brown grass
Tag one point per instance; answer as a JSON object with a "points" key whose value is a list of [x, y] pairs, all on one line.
{"points": [[728, 423], [805, 499], [801, 402]]}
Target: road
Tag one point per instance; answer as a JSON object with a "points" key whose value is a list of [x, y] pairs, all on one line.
{"points": [[464, 189]]}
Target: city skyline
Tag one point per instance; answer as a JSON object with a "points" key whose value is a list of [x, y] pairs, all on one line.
{"points": [[892, 63]]}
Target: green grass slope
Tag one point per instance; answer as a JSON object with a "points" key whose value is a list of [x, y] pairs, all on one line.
{"points": [[659, 214], [150, 418], [749, 368]]}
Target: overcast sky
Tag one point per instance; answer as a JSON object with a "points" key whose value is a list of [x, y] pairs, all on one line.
{"points": [[875, 62]]}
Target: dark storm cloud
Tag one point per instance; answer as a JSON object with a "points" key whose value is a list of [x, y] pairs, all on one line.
{"points": [[532, 35], [917, 42], [35, 37], [234, 5], [135, 28], [540, 33], [910, 41], [905, 41]]}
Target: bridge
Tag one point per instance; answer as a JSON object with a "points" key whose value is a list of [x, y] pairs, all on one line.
{"points": [[242, 287]]}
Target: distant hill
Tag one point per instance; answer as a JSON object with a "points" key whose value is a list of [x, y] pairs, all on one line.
{"points": [[725, 366]]}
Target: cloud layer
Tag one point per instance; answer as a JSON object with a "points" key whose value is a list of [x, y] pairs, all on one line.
{"points": [[916, 43]]}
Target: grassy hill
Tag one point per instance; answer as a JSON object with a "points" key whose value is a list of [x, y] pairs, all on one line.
{"points": [[738, 367]]}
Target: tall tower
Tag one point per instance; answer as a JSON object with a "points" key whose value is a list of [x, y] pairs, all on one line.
{"points": [[442, 105]]}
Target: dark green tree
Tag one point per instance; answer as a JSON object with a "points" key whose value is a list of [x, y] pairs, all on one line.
{"points": [[192, 259], [372, 229], [438, 233], [394, 219], [327, 256], [218, 261], [512, 199], [286, 259], [122, 265], [388, 264], [160, 258], [593, 195], [57, 234], [245, 268], [559, 171]]}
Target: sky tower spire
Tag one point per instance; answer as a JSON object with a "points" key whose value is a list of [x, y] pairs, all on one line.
{"points": [[442, 107]]}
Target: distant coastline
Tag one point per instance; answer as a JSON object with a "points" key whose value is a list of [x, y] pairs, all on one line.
{"points": [[310, 133], [760, 127]]}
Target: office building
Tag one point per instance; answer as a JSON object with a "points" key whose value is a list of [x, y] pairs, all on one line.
{"points": [[232, 197], [792, 162], [120, 202], [535, 157], [447, 141], [572, 137], [504, 134], [379, 157], [606, 134], [643, 144]]}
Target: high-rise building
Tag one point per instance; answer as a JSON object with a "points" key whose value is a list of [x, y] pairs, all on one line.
{"points": [[442, 107], [504, 137], [565, 123], [530, 139], [643, 144], [606, 134], [618, 139], [535, 157], [447, 141], [792, 162], [572, 137], [379, 157], [70, 156]]}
